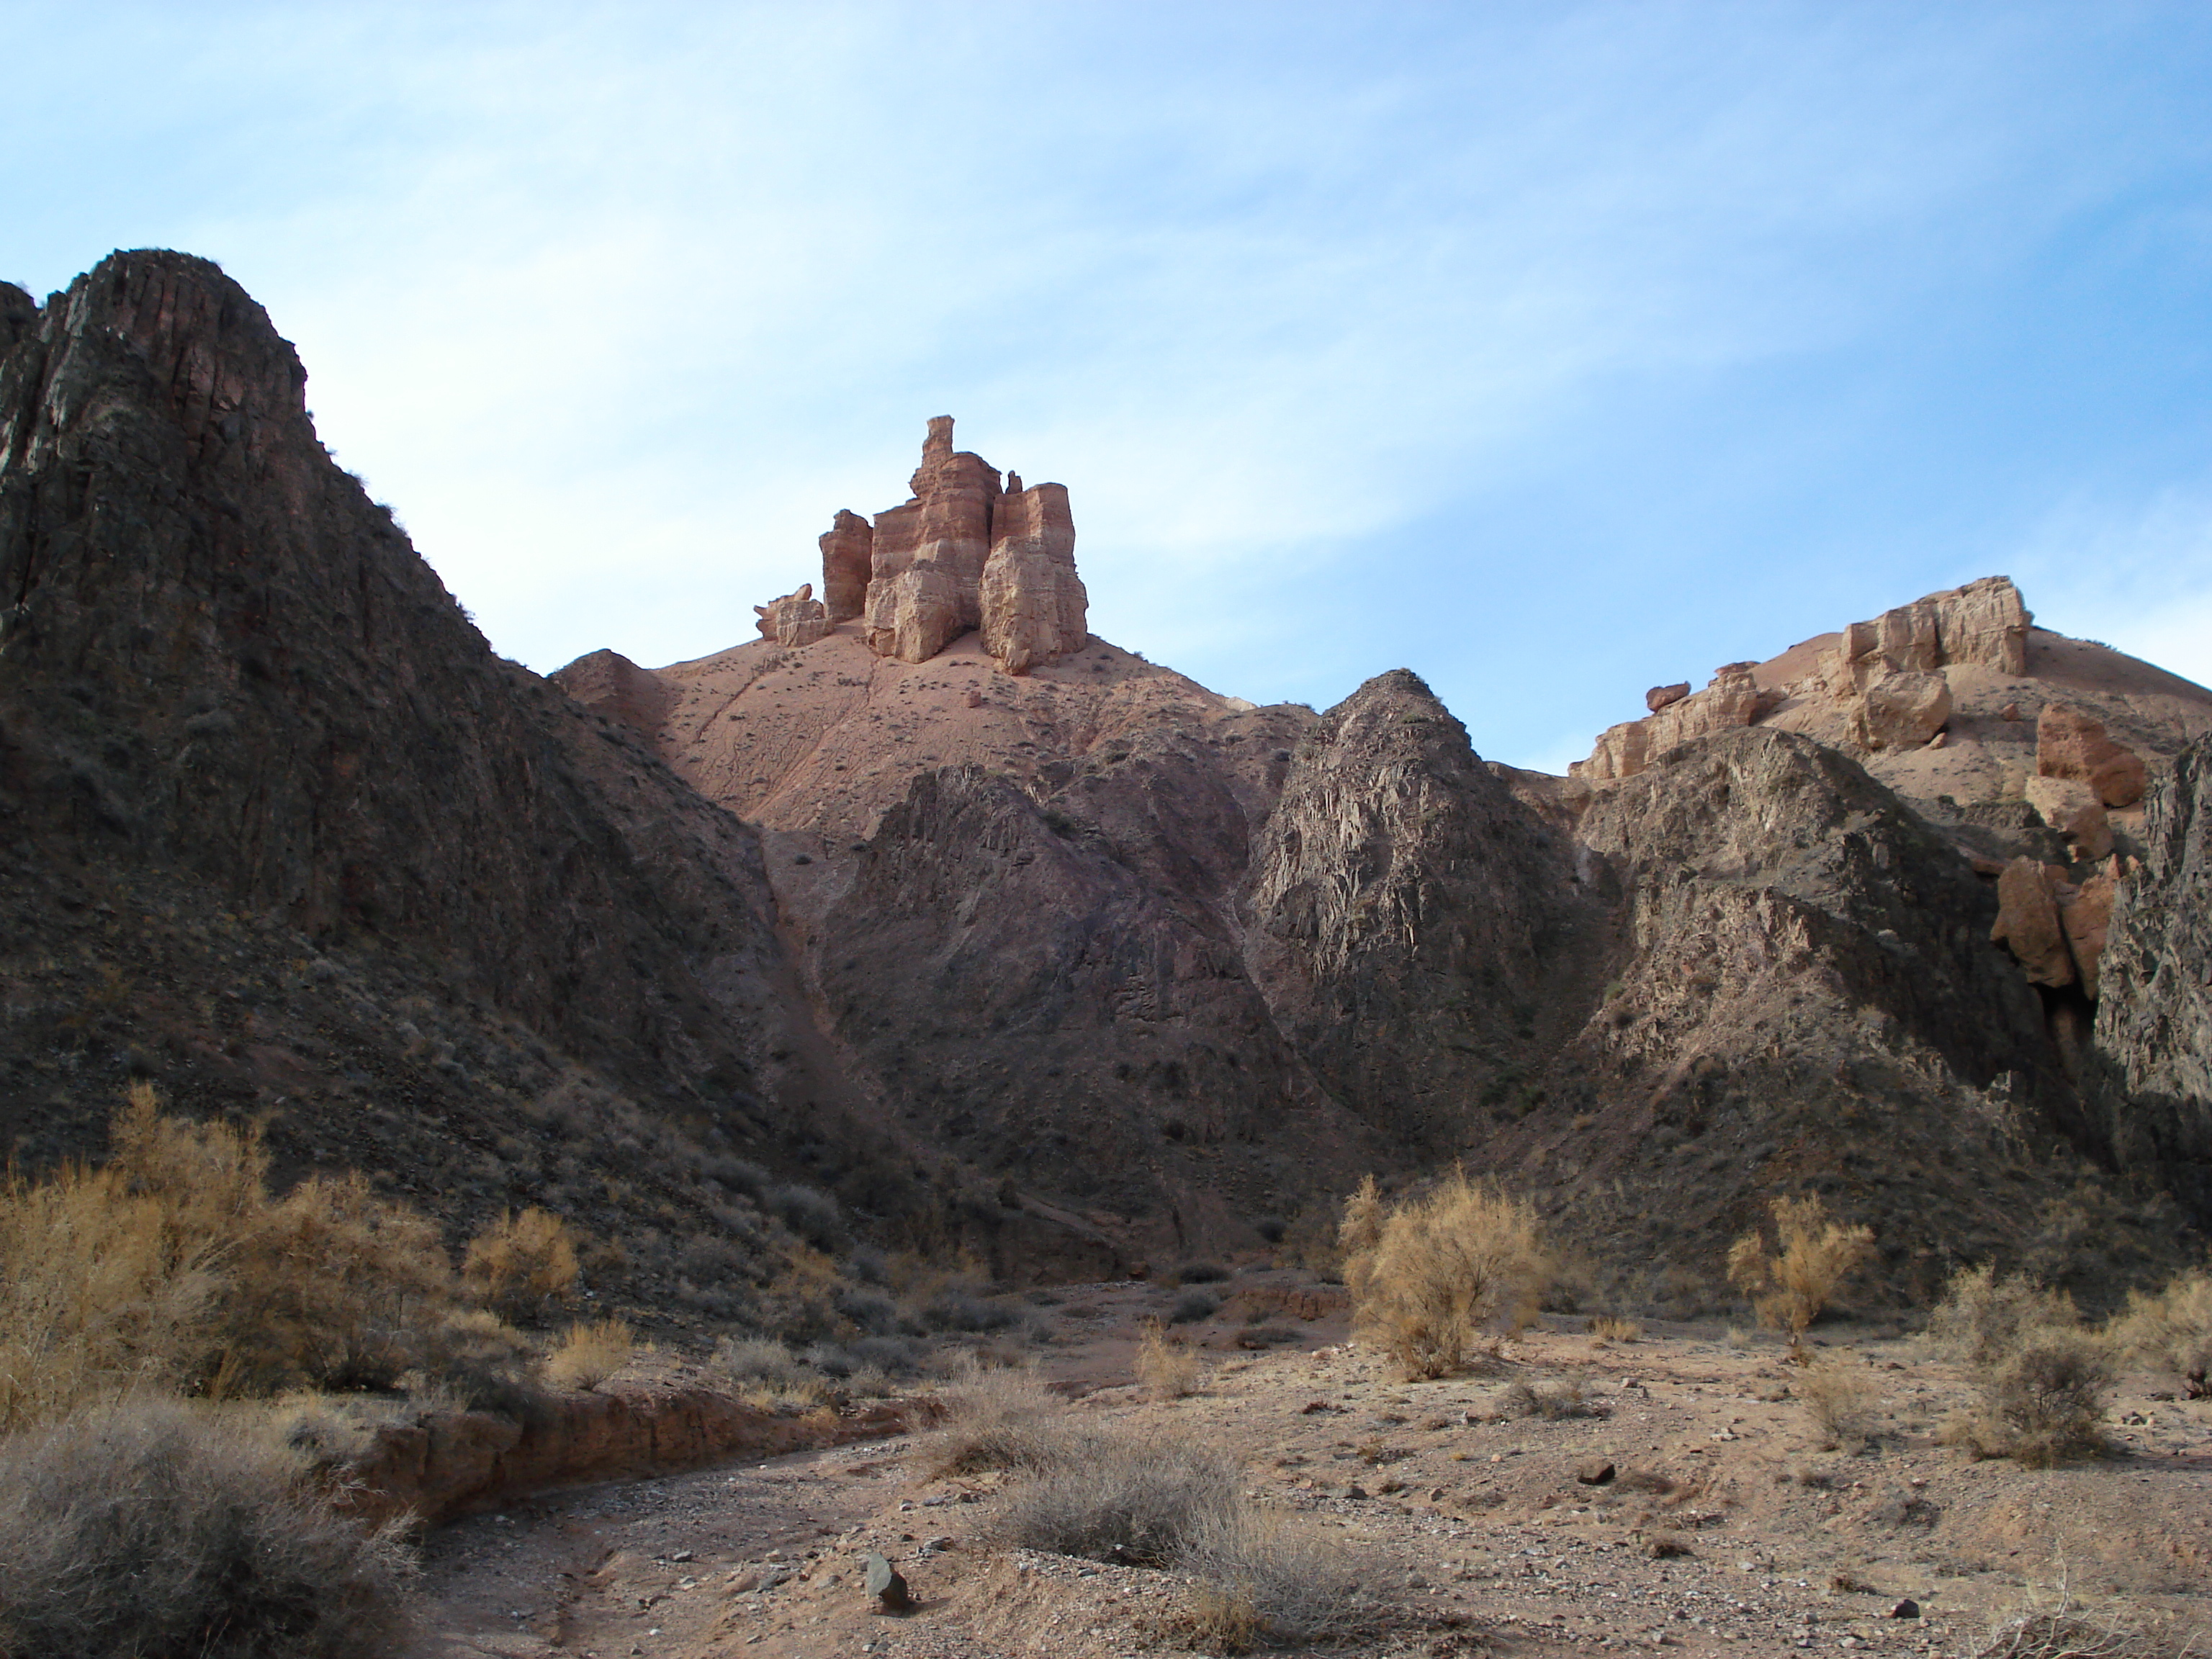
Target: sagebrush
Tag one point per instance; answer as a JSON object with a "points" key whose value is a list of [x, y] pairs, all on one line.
{"points": [[1430, 1274], [2172, 1330], [149, 1527], [590, 1353]]}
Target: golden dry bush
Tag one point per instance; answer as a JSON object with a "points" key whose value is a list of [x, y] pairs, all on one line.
{"points": [[589, 1353], [522, 1264], [1442, 1267], [173, 1266], [2172, 1330], [1167, 1370], [1606, 1327], [332, 1286], [99, 1295], [1791, 1280]]}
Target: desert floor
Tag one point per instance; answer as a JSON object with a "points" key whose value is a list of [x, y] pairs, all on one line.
{"points": [[1725, 1527]]}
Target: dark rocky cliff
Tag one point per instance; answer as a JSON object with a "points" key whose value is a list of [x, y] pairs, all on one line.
{"points": [[2154, 1018], [283, 834]]}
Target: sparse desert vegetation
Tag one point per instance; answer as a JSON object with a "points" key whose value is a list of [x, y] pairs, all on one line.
{"points": [[1434, 1274], [1790, 1281]]}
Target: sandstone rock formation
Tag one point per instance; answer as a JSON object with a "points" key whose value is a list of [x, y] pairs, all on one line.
{"points": [[796, 619], [1984, 622], [1659, 697], [1733, 699], [1033, 604], [2072, 808], [2028, 923], [963, 552], [2070, 745], [847, 563], [2085, 913]]}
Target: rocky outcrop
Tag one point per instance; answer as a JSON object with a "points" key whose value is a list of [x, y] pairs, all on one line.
{"points": [[1417, 930], [1034, 606], [847, 563], [2155, 1012], [1882, 681], [1661, 696], [1983, 623], [963, 551], [797, 619], [1733, 699], [2068, 744]]}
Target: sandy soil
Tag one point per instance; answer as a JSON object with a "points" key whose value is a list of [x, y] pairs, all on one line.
{"points": [[1474, 1532]]}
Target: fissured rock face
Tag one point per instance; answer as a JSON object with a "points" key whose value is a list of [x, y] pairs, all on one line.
{"points": [[360, 878], [2154, 1011], [1411, 923]]}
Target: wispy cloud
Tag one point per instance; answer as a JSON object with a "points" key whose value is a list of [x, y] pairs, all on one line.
{"points": [[1355, 331]]}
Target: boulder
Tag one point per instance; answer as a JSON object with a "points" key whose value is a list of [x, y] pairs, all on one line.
{"points": [[1034, 606], [2028, 923], [1659, 697], [2068, 744], [796, 619], [887, 1584], [848, 562], [1903, 708], [2071, 807], [2085, 913]]}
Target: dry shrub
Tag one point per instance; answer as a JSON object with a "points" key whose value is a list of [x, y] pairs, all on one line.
{"points": [[149, 1527], [1264, 1576], [1666, 1546], [522, 1264], [2172, 1330], [1844, 1402], [1150, 1501], [1607, 1328], [767, 1374], [1549, 1400], [1137, 1501], [2041, 1379], [2061, 1629], [1168, 1371], [1001, 1420], [1430, 1274], [172, 1266], [590, 1353], [1791, 1282]]}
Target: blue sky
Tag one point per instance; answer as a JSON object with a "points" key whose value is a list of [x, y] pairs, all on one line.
{"points": [[1550, 350]]}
